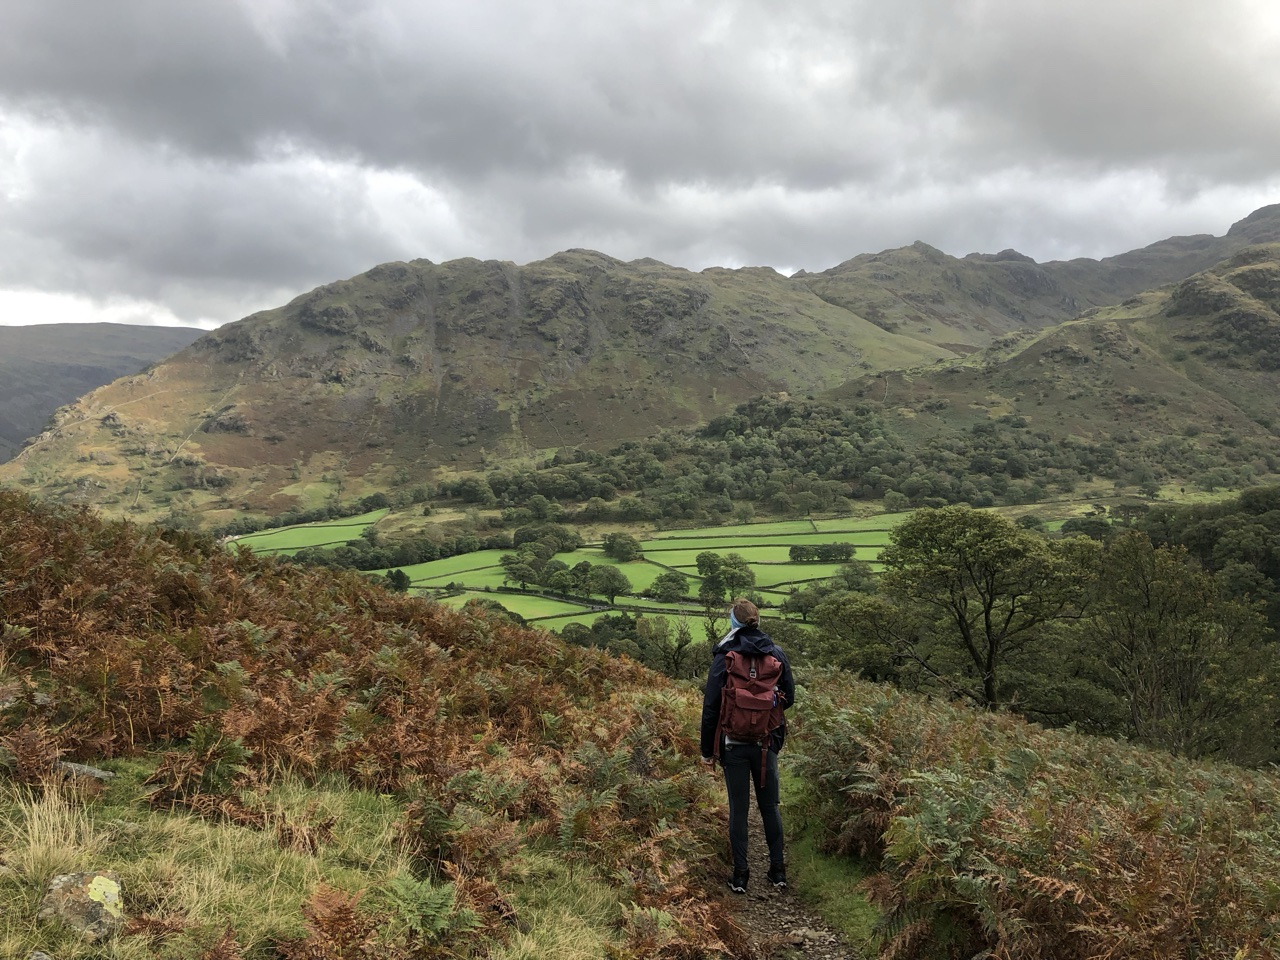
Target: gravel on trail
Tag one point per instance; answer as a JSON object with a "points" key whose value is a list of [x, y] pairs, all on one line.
{"points": [[778, 924]]}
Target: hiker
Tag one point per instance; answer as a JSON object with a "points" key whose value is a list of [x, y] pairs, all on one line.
{"points": [[748, 687]]}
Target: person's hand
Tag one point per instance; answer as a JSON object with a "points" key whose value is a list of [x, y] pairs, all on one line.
{"points": [[709, 762]]}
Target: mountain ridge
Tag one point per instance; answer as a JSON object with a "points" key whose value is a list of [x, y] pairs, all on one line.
{"points": [[414, 367], [1185, 377]]}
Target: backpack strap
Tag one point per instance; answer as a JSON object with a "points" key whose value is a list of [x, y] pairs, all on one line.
{"points": [[715, 752]]}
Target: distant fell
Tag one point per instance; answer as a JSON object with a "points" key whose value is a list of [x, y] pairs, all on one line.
{"points": [[1185, 378], [966, 303], [382, 379], [45, 366]]}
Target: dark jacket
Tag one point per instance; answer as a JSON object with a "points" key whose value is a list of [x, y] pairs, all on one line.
{"points": [[754, 641]]}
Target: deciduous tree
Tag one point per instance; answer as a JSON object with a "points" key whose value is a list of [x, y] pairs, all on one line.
{"points": [[670, 587], [977, 591], [622, 547], [608, 582], [1191, 664]]}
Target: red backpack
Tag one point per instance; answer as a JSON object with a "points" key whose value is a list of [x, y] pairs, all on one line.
{"points": [[750, 704]]}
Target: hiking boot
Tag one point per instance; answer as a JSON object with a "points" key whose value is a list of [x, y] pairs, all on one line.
{"points": [[778, 876], [738, 882]]}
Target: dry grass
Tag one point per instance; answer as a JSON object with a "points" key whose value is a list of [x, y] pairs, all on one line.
{"points": [[46, 834], [227, 672], [569, 915], [178, 867]]}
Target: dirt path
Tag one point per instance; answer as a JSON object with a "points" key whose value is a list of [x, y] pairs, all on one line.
{"points": [[779, 925]]}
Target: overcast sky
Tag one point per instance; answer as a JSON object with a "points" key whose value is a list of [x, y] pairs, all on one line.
{"points": [[190, 161]]}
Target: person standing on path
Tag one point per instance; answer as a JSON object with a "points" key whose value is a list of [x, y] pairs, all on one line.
{"points": [[748, 668]]}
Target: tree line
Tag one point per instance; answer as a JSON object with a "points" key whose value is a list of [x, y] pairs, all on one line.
{"points": [[795, 457]]}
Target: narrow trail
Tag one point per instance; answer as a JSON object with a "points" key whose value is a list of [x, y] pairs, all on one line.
{"points": [[778, 924]]}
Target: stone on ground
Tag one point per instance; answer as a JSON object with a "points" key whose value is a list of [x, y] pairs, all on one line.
{"points": [[88, 902]]}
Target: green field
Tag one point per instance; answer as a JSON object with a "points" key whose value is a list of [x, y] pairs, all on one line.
{"points": [[786, 574], [288, 540], [441, 569], [766, 547], [691, 608], [586, 619], [556, 623], [778, 528], [752, 554], [490, 576], [530, 606], [641, 573], [726, 544], [881, 521], [552, 614]]}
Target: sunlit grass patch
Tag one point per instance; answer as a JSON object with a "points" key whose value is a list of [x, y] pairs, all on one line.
{"points": [[776, 528], [443, 569], [490, 576], [527, 605], [46, 834], [321, 533], [880, 523], [775, 575], [566, 912]]}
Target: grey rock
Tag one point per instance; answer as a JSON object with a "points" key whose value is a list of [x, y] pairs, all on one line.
{"points": [[89, 902], [66, 768], [39, 699]]}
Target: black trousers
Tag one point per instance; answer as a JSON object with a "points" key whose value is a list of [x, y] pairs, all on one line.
{"points": [[741, 764]]}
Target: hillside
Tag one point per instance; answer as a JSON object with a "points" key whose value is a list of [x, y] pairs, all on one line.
{"points": [[44, 366], [340, 739], [965, 304], [1184, 380], [307, 766], [414, 371]]}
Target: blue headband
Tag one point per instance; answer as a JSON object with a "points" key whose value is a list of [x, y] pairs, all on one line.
{"points": [[733, 621]]}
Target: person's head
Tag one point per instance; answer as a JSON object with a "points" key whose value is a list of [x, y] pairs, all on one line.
{"points": [[744, 613]]}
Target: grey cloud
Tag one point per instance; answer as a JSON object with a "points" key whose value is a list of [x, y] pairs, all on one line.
{"points": [[1167, 84], [94, 208], [655, 90], [210, 154], [808, 95]]}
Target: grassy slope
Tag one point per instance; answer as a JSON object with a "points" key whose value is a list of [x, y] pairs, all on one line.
{"points": [[391, 743], [991, 833], [1186, 375], [319, 534]]}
